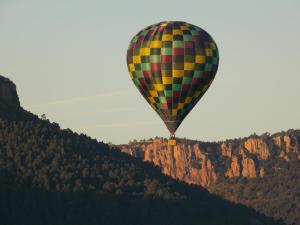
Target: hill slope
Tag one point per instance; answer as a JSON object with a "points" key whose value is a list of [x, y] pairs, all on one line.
{"points": [[258, 171], [54, 176]]}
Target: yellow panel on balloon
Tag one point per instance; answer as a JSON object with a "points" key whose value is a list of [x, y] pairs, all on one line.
{"points": [[180, 105], [184, 27], [159, 87], [188, 100], [136, 59], [189, 66], [145, 51], [131, 67], [177, 32], [155, 44], [167, 37], [177, 73], [151, 99], [167, 80], [174, 112], [200, 58], [153, 94]]}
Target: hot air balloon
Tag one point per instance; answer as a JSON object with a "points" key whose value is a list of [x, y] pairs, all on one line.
{"points": [[172, 64]]}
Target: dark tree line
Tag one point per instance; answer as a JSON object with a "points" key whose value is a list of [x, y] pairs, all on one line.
{"points": [[53, 176]]}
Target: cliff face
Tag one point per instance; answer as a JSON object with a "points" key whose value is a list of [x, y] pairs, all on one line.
{"points": [[8, 94], [184, 162], [204, 163]]}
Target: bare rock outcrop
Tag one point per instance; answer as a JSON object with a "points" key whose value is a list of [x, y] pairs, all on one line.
{"points": [[204, 163], [184, 162], [249, 169], [234, 169], [257, 146], [289, 147]]}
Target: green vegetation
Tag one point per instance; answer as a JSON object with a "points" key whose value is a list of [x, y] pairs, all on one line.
{"points": [[276, 195], [53, 176]]}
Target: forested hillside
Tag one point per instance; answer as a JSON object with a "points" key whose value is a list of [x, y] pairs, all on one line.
{"points": [[259, 171], [54, 176], [276, 194]]}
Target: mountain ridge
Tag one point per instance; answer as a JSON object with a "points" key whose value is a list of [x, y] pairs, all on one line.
{"points": [[55, 176]]}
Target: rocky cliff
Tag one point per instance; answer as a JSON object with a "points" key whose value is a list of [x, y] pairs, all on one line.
{"points": [[205, 163], [8, 94]]}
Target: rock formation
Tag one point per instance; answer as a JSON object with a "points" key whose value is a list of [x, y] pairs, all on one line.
{"points": [[234, 169], [249, 169], [8, 94], [204, 163], [257, 146], [185, 162]]}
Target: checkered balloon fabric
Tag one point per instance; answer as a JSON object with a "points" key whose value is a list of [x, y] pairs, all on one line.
{"points": [[172, 64]]}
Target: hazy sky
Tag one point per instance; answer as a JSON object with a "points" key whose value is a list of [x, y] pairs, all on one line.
{"points": [[68, 61]]}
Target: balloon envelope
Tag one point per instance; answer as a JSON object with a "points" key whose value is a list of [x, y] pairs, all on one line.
{"points": [[172, 64]]}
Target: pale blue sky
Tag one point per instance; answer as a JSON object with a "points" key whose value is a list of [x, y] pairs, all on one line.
{"points": [[68, 61]]}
